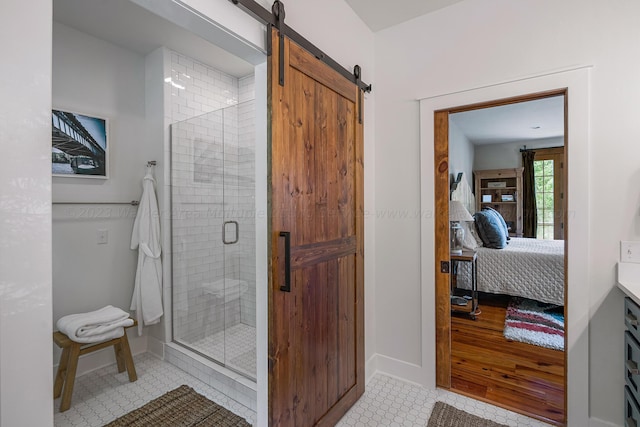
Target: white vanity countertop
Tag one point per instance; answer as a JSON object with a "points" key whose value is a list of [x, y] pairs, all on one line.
{"points": [[629, 280]]}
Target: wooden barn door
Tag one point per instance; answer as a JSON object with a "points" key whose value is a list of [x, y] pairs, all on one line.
{"points": [[316, 313]]}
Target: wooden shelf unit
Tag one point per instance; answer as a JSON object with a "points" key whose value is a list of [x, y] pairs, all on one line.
{"points": [[486, 182]]}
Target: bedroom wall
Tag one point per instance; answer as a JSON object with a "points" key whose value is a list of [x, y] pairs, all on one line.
{"points": [[461, 153], [497, 41], [507, 155]]}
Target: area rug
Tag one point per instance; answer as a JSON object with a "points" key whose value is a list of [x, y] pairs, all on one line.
{"points": [[536, 323], [444, 415], [182, 407]]}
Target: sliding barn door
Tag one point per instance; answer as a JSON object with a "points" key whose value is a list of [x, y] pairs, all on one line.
{"points": [[316, 312]]}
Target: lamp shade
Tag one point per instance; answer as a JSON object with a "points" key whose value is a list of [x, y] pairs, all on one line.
{"points": [[457, 212]]}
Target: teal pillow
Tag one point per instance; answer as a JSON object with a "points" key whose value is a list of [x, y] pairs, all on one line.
{"points": [[491, 230], [500, 218]]}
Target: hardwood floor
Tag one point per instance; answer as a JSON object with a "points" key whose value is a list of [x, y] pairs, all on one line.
{"points": [[517, 376]]}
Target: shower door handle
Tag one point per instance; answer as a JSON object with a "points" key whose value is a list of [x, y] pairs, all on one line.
{"points": [[224, 233], [287, 261]]}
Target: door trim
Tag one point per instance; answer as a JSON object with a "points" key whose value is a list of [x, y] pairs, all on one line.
{"points": [[577, 82]]}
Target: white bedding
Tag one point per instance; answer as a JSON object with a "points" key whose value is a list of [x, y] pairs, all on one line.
{"points": [[529, 268]]}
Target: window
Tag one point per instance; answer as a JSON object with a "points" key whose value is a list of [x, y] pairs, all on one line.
{"points": [[548, 168], [543, 170]]}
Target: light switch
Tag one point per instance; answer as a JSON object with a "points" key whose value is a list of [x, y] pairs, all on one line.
{"points": [[630, 252], [102, 237]]}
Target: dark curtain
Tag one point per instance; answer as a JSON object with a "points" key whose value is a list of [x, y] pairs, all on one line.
{"points": [[529, 208]]}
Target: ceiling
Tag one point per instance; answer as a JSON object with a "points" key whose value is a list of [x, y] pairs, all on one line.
{"points": [[537, 119], [132, 27], [380, 14]]}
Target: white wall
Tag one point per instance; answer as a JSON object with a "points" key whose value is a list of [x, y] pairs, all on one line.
{"points": [[497, 41], [25, 215], [157, 102], [461, 153], [92, 76], [507, 155]]}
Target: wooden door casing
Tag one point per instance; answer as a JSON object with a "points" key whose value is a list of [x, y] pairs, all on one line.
{"points": [[441, 235], [316, 331]]}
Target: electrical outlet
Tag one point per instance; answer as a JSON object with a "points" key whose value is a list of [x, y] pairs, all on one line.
{"points": [[103, 237], [630, 252]]}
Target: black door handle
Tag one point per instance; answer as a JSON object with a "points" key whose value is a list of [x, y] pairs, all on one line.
{"points": [[287, 261]]}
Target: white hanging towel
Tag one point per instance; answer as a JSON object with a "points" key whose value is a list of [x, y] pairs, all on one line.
{"points": [[147, 293]]}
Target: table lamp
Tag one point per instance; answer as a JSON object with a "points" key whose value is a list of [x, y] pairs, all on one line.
{"points": [[457, 213]]}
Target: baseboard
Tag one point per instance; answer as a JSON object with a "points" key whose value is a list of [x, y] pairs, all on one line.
{"points": [[155, 347], [596, 422], [370, 368], [400, 369], [105, 357]]}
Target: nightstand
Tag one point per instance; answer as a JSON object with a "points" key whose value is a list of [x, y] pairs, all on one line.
{"points": [[459, 295]]}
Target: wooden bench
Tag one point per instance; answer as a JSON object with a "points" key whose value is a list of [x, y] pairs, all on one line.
{"points": [[71, 351]]}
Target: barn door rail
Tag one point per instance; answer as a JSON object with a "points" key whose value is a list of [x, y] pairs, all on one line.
{"points": [[275, 18]]}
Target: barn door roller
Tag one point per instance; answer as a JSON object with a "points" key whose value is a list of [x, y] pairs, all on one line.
{"points": [[278, 12]]}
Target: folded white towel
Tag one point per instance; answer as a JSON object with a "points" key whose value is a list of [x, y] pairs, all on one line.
{"points": [[113, 333], [95, 326]]}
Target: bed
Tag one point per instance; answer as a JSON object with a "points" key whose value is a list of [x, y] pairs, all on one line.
{"points": [[529, 268]]}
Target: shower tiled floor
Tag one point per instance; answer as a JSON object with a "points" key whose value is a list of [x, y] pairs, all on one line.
{"points": [[235, 347], [103, 395]]}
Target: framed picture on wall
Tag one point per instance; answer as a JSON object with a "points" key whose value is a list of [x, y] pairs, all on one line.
{"points": [[79, 145]]}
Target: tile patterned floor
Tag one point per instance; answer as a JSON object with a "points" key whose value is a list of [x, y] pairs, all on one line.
{"points": [[235, 347], [390, 402], [103, 395]]}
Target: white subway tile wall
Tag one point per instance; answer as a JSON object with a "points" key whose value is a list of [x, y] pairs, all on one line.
{"points": [[213, 182]]}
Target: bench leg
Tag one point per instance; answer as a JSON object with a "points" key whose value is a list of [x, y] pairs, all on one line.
{"points": [[117, 348], [126, 352], [67, 392], [61, 372]]}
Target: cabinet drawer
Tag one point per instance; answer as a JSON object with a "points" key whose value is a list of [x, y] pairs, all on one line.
{"points": [[632, 317], [632, 364], [631, 410]]}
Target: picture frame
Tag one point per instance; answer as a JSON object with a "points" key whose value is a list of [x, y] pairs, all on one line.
{"points": [[79, 145], [507, 198], [486, 198]]}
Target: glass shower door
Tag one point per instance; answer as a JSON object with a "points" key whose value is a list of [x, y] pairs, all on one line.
{"points": [[239, 233], [210, 234]]}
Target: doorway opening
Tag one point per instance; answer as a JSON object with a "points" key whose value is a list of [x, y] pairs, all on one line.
{"points": [[525, 378]]}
